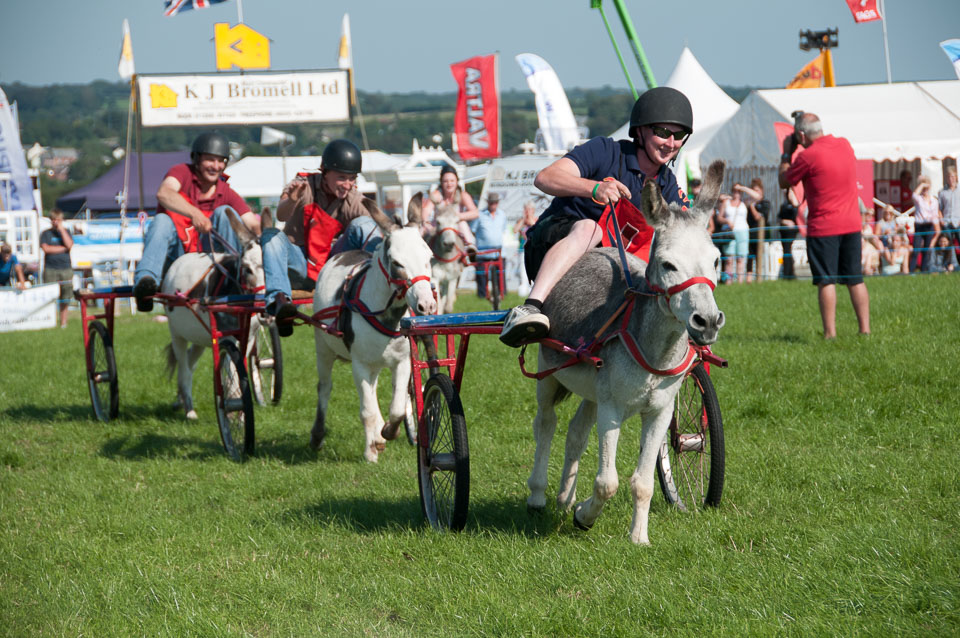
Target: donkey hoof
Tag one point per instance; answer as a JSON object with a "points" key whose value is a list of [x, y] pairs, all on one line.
{"points": [[579, 525], [390, 431], [316, 440], [192, 415], [535, 510]]}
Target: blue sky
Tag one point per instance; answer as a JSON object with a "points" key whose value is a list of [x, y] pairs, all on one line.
{"points": [[404, 46]]}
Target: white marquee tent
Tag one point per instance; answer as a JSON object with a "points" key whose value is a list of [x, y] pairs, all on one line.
{"points": [[902, 121], [712, 107]]}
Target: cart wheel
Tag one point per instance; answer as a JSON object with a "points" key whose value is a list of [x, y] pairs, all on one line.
{"points": [[443, 460], [102, 373], [234, 402], [691, 459], [265, 364], [494, 287]]}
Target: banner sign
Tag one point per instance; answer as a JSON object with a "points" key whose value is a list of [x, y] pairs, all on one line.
{"points": [[557, 123], [233, 98], [512, 179], [864, 10], [32, 309], [13, 161], [476, 123], [810, 76]]}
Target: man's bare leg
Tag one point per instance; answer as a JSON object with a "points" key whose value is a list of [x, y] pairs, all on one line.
{"points": [[827, 298], [860, 299]]}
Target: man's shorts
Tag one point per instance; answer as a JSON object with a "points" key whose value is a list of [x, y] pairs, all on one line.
{"points": [[65, 277], [541, 238], [835, 259]]}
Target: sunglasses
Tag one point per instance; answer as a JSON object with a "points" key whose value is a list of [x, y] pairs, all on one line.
{"points": [[666, 133]]}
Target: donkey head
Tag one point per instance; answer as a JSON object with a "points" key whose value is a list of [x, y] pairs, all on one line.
{"points": [[406, 257], [251, 258], [446, 217], [683, 253]]}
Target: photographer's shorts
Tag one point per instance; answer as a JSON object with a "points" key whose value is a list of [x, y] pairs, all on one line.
{"points": [[835, 259]]}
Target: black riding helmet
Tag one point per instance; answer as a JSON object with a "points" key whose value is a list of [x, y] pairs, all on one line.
{"points": [[210, 143], [662, 105], [343, 156]]}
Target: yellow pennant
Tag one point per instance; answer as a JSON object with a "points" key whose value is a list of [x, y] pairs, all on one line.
{"points": [[240, 46]]}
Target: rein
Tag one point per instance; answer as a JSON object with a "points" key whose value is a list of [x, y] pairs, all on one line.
{"points": [[460, 256]]}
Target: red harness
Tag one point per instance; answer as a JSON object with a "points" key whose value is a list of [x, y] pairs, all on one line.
{"points": [[351, 301], [587, 353], [460, 256]]}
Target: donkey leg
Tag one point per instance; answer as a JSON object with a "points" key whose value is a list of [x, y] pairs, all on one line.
{"points": [[641, 482], [366, 381], [578, 434], [193, 357], [399, 404], [325, 361], [544, 427], [606, 483], [180, 348]]}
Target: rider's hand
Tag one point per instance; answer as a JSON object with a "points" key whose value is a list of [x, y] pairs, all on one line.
{"points": [[202, 224], [296, 189], [611, 191]]}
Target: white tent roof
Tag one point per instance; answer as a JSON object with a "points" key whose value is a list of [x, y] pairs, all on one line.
{"points": [[266, 176], [712, 107], [882, 121]]}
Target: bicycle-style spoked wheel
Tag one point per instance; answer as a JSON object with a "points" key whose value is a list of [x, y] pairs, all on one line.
{"points": [[690, 464], [102, 373], [443, 460], [234, 402], [265, 364]]}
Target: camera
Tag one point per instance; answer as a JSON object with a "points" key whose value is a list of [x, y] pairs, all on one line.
{"points": [[797, 116]]}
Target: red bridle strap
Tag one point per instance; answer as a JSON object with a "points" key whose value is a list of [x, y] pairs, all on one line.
{"points": [[402, 284], [460, 254], [672, 290]]}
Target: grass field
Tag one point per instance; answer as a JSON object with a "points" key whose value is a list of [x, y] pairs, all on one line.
{"points": [[839, 517]]}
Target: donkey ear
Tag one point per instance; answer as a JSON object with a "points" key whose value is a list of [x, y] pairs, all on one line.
{"points": [[266, 219], [655, 208], [242, 232], [384, 222], [414, 210], [710, 191]]}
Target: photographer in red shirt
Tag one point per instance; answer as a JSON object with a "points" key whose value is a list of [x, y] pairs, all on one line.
{"points": [[827, 168]]}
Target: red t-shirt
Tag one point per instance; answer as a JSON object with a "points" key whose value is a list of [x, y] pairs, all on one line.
{"points": [[190, 188], [828, 170]]}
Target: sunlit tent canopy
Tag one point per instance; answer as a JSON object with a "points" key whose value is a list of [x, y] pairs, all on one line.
{"points": [[712, 107], [102, 194], [901, 121]]}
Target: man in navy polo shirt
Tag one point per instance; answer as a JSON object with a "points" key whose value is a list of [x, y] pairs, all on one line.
{"points": [[583, 182]]}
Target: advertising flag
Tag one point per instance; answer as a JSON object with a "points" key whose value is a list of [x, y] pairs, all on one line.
{"points": [[173, 7], [952, 49], [864, 10], [344, 54], [13, 161], [557, 124], [476, 123], [810, 76], [125, 67]]}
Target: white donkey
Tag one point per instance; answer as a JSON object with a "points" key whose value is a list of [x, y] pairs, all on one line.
{"points": [[681, 276], [198, 275], [448, 252], [373, 292]]}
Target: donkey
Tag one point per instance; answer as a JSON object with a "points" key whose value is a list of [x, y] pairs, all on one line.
{"points": [[198, 275], [680, 278], [448, 253], [373, 292]]}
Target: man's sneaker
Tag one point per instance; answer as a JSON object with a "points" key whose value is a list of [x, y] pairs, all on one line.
{"points": [[143, 291], [284, 311], [524, 324]]}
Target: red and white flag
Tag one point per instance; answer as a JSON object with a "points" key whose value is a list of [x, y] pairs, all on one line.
{"points": [[864, 10], [476, 123]]}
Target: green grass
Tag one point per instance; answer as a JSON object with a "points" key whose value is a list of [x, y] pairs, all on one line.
{"points": [[839, 516]]}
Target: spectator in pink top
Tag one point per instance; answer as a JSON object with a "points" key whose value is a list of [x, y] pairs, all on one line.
{"points": [[926, 227]]}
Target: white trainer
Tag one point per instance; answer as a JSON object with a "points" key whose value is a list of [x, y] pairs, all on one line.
{"points": [[523, 324]]}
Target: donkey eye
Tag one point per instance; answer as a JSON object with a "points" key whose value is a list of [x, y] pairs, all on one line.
{"points": [[669, 267], [716, 262]]}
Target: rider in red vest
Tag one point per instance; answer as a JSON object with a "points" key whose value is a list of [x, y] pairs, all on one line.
{"points": [[192, 199], [323, 215]]}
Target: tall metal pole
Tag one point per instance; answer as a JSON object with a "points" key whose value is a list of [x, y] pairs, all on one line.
{"points": [[886, 46], [598, 4], [635, 43]]}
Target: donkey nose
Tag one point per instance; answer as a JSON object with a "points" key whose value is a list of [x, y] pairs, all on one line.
{"points": [[428, 307], [704, 328]]}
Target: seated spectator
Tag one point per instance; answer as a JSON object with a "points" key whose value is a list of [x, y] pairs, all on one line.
{"points": [[886, 227], [9, 266], [896, 260], [944, 257], [870, 246]]}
